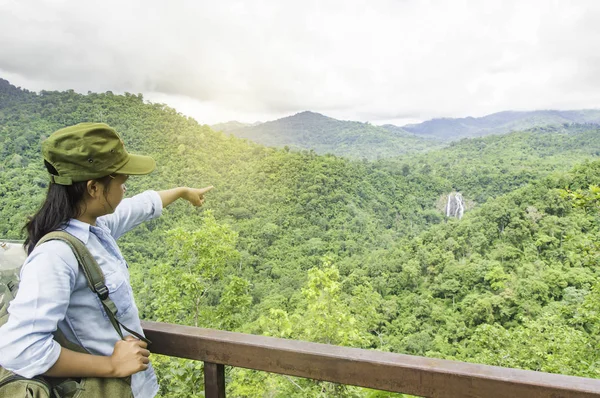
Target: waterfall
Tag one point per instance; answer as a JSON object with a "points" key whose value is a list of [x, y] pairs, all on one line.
{"points": [[455, 207]]}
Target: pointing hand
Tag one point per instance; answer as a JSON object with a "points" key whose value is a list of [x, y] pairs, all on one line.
{"points": [[196, 195]]}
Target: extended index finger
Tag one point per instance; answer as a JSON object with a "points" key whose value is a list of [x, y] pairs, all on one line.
{"points": [[202, 191]]}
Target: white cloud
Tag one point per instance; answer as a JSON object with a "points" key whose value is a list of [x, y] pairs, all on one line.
{"points": [[358, 60]]}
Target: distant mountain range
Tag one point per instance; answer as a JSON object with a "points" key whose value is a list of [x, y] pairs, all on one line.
{"points": [[232, 125], [310, 130], [313, 131], [498, 123]]}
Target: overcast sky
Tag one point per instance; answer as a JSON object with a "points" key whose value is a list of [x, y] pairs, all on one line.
{"points": [[379, 61]]}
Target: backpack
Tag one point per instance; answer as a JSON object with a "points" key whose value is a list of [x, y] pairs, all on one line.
{"points": [[13, 385]]}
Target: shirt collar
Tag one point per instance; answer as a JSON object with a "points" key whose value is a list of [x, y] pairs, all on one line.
{"points": [[78, 229]]}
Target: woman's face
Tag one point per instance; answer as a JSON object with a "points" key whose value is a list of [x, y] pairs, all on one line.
{"points": [[115, 191]]}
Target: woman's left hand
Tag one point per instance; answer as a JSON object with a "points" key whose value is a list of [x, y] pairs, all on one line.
{"points": [[196, 195]]}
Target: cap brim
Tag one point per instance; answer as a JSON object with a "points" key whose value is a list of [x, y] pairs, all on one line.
{"points": [[137, 165]]}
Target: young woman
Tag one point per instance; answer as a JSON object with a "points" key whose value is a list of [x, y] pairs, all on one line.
{"points": [[88, 167]]}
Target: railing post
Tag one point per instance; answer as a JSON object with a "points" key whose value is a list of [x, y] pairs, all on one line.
{"points": [[214, 380]]}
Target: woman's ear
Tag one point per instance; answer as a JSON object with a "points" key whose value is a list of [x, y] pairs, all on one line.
{"points": [[94, 188]]}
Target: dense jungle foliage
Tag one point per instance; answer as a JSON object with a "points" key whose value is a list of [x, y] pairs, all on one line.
{"points": [[348, 252]]}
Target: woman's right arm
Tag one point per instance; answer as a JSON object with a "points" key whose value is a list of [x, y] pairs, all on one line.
{"points": [[129, 356], [27, 346]]}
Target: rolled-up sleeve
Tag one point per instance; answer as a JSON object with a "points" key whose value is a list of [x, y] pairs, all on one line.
{"points": [[27, 346], [133, 211]]}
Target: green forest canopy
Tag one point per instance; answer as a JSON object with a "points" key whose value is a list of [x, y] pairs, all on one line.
{"points": [[356, 250]]}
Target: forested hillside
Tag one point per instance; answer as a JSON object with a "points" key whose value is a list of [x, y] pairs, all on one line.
{"points": [[313, 131], [322, 248], [487, 167]]}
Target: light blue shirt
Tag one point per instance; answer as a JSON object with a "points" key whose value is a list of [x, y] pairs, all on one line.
{"points": [[53, 292]]}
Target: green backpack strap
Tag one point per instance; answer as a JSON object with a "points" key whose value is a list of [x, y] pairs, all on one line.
{"points": [[94, 276]]}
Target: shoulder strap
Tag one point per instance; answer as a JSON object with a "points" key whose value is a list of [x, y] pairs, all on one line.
{"points": [[91, 269], [94, 276]]}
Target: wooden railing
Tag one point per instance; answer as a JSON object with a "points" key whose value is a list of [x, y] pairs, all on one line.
{"points": [[420, 376]]}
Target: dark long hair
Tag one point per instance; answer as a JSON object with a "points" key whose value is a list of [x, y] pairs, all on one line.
{"points": [[62, 203]]}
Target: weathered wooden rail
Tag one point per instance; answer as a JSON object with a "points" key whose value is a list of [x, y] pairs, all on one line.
{"points": [[426, 377]]}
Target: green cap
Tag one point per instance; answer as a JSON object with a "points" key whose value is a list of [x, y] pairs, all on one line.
{"points": [[88, 151]]}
